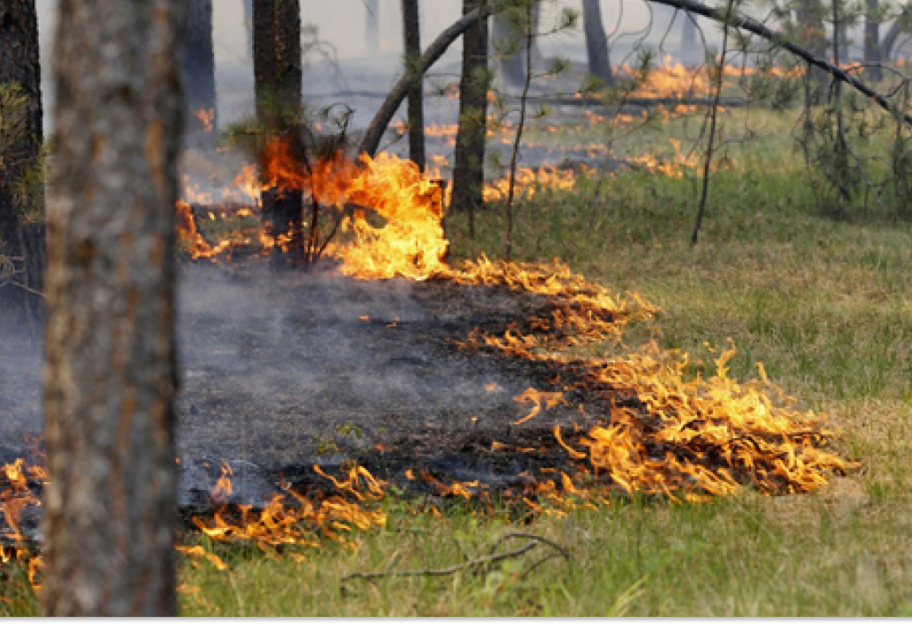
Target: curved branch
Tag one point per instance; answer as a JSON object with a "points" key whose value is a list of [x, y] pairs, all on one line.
{"points": [[753, 26], [384, 115]]}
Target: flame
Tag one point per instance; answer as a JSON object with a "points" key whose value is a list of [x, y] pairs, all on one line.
{"points": [[207, 117]]}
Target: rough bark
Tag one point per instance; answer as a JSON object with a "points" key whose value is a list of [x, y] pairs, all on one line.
{"points": [[412, 30], [596, 41], [109, 377], [278, 78], [468, 172], [20, 147], [398, 93], [201, 122]]}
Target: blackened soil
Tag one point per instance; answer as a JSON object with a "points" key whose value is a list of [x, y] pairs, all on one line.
{"points": [[283, 371], [290, 370]]}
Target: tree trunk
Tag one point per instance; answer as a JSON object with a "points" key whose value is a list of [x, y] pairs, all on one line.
{"points": [[109, 376], [596, 41], [468, 172], [199, 74], [371, 25], [21, 137], [278, 78], [412, 29], [508, 39], [872, 40]]}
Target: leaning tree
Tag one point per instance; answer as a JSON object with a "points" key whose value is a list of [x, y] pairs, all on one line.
{"points": [[109, 378]]}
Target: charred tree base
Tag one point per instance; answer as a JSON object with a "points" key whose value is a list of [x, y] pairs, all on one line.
{"points": [[282, 213]]}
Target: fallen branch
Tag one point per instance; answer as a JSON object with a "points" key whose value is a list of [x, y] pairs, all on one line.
{"points": [[753, 26], [479, 562]]}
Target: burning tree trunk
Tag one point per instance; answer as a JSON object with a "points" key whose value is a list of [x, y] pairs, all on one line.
{"points": [[199, 73], [596, 42], [468, 173], [109, 377], [21, 192], [278, 84], [412, 30]]}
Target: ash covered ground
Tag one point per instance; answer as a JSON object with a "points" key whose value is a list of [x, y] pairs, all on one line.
{"points": [[283, 371]]}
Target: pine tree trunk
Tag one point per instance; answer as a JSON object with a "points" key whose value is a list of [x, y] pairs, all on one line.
{"points": [[411, 24], [468, 173], [20, 146], [201, 121], [278, 78], [596, 41], [109, 519]]}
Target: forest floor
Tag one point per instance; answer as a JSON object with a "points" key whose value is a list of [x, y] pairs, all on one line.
{"points": [[823, 303]]}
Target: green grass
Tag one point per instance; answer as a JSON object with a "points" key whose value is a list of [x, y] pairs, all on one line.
{"points": [[824, 304]]}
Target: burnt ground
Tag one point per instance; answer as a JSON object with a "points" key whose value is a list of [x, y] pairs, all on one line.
{"points": [[283, 371]]}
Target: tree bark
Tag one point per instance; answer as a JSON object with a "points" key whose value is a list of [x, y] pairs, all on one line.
{"points": [[109, 377], [468, 172], [20, 147], [596, 41], [278, 76], [412, 30], [432, 54], [201, 121]]}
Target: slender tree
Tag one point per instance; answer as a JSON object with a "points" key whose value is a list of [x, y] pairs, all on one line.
{"points": [[412, 31], [109, 377], [596, 41], [468, 172], [21, 213], [199, 73], [278, 76]]}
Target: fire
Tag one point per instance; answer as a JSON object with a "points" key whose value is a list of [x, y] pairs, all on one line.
{"points": [[207, 117]]}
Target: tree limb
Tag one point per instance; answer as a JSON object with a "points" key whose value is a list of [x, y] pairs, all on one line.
{"points": [[753, 26], [384, 115]]}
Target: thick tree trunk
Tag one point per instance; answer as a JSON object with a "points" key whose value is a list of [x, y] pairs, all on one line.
{"points": [[371, 25], [596, 41], [109, 377], [468, 172], [872, 40], [278, 78], [21, 137], [411, 26], [508, 39], [201, 121]]}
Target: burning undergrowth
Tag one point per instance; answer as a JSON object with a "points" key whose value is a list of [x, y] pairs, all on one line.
{"points": [[309, 397]]}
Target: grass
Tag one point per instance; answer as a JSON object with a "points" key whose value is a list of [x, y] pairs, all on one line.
{"points": [[824, 304]]}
